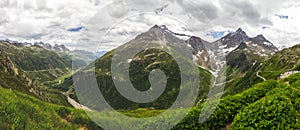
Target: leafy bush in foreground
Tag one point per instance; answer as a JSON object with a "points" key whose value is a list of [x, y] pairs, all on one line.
{"points": [[227, 108], [274, 112], [278, 110]]}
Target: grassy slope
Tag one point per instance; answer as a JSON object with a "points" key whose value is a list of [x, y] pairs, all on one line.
{"points": [[269, 68], [285, 60], [20, 111], [241, 70]]}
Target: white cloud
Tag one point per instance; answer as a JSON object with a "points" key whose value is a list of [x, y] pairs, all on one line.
{"points": [[49, 20], [44, 20]]}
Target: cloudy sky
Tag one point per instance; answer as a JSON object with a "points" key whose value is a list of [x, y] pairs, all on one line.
{"points": [[98, 25]]}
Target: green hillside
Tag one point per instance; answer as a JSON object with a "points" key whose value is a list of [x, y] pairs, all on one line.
{"points": [[14, 78], [286, 60], [39, 64], [268, 67], [24, 100], [27, 69], [267, 105], [20, 111], [139, 69]]}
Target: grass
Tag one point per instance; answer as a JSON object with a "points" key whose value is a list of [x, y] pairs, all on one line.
{"points": [[141, 112], [21, 111]]}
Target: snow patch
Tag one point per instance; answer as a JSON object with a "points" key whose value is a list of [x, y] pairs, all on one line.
{"points": [[129, 60], [183, 37], [223, 46], [189, 45], [228, 50], [268, 43]]}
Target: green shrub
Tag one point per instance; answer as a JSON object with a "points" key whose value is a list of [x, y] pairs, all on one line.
{"points": [[273, 112], [293, 78], [228, 107]]}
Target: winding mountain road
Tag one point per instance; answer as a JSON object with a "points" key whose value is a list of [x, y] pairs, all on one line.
{"points": [[257, 74]]}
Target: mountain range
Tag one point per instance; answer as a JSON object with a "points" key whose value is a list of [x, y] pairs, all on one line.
{"points": [[242, 53], [41, 75]]}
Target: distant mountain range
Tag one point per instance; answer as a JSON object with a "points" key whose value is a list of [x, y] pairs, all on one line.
{"points": [[80, 57], [55, 47]]}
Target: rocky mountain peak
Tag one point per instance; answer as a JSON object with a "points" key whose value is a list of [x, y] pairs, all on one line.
{"points": [[61, 48], [260, 38], [240, 33], [242, 46], [234, 39], [240, 30], [194, 38], [262, 41], [196, 43], [164, 28], [155, 28]]}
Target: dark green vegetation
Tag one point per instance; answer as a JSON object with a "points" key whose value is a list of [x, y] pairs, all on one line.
{"points": [[279, 109]]}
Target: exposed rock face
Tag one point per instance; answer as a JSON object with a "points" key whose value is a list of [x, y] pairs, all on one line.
{"points": [[200, 53]]}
